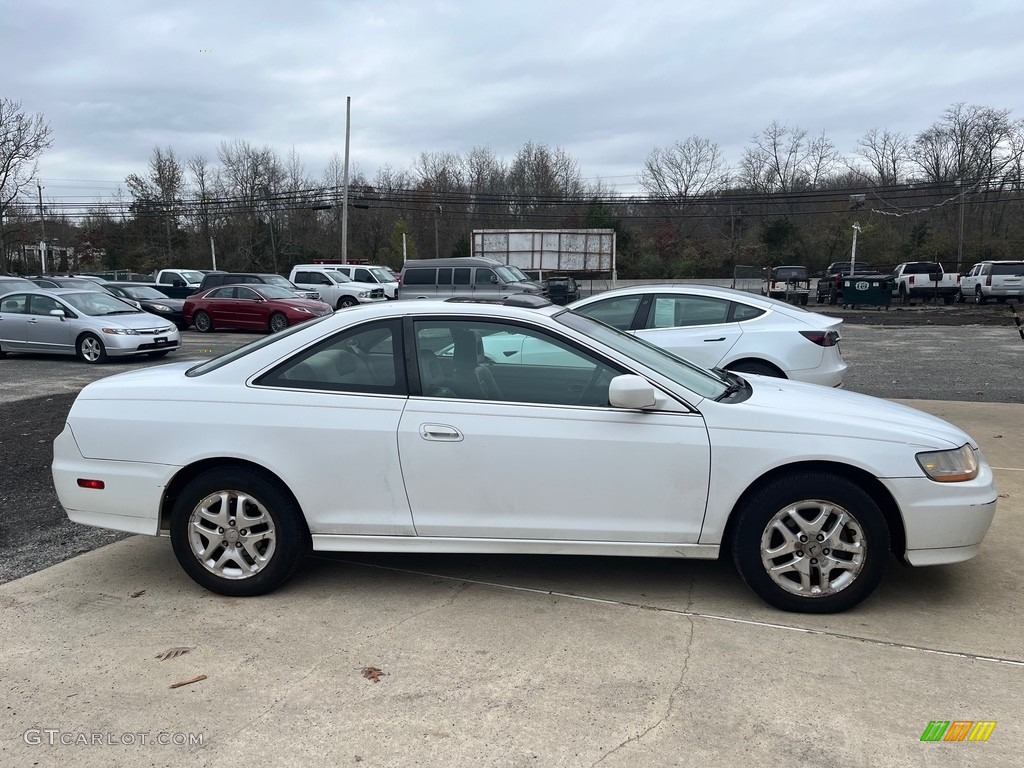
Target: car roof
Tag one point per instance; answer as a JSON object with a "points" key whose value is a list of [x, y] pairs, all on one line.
{"points": [[698, 289]]}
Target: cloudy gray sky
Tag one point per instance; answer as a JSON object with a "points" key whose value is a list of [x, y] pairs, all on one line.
{"points": [[606, 80]]}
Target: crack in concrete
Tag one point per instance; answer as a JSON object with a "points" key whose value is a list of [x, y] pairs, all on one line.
{"points": [[670, 704]]}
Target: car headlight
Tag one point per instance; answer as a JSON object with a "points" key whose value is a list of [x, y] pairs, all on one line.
{"points": [[954, 466], [121, 331], [161, 308], [364, 294], [306, 310]]}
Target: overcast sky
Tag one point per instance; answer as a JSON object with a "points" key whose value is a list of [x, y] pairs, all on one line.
{"points": [[605, 80]]}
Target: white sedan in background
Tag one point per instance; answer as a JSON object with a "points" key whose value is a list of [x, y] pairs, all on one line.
{"points": [[387, 427], [723, 328]]}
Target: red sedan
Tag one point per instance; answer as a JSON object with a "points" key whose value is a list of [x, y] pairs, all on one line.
{"points": [[250, 306]]}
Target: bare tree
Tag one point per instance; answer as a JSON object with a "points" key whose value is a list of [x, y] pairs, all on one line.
{"points": [[887, 154], [23, 138], [784, 159], [691, 167], [969, 142]]}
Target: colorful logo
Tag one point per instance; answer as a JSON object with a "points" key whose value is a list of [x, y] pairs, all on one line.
{"points": [[958, 730]]}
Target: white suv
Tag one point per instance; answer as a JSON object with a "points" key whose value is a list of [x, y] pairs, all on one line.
{"points": [[999, 280], [336, 288]]}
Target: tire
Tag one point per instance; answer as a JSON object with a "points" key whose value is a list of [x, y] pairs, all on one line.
{"points": [[202, 322], [347, 301], [960, 298], [833, 296], [90, 349], [904, 298], [239, 564], [979, 297], [756, 367], [158, 355], [278, 322], [780, 526]]}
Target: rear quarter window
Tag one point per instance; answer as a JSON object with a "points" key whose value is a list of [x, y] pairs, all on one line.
{"points": [[419, 276]]}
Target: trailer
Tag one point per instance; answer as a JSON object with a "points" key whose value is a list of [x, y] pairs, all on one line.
{"points": [[578, 252]]}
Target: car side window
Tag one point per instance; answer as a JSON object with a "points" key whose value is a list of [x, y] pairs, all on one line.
{"points": [[246, 293], [683, 311], [617, 312], [43, 305], [484, 360], [222, 293], [419, 276], [366, 359], [15, 304], [363, 276], [460, 275], [485, 276], [741, 312]]}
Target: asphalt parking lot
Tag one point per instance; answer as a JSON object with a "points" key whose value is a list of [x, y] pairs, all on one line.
{"points": [[513, 660]]}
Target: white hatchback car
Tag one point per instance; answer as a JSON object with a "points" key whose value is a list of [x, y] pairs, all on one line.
{"points": [[263, 453], [89, 323], [722, 328]]}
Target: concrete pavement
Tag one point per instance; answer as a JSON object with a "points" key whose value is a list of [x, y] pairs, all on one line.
{"points": [[518, 661]]}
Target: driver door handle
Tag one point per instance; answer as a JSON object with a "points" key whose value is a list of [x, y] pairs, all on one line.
{"points": [[720, 338], [440, 432]]}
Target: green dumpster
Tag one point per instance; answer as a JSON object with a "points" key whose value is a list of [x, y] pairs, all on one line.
{"points": [[867, 290]]}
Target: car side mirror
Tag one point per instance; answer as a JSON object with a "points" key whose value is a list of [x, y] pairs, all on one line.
{"points": [[494, 280], [57, 313], [632, 391]]}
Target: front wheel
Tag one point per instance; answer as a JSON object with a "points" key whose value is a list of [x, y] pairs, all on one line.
{"points": [[346, 301], [237, 533], [278, 322], [979, 297], [202, 322], [811, 542], [756, 367], [90, 349]]}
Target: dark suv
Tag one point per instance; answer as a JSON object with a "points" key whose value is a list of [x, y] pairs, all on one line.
{"points": [[215, 279], [562, 289]]}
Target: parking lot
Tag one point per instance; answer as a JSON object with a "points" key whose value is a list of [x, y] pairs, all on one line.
{"points": [[500, 660]]}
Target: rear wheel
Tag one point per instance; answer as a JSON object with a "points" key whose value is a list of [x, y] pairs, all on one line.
{"points": [[202, 322], [811, 542], [960, 298], [90, 349], [278, 322], [236, 532]]}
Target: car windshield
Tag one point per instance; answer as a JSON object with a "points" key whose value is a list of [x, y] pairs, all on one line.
{"points": [[382, 274], [506, 274], [281, 281], [338, 277], [275, 292], [520, 275], [142, 292], [699, 380], [97, 304], [253, 346]]}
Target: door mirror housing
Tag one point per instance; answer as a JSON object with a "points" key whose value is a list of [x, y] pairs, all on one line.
{"points": [[57, 313], [632, 391]]}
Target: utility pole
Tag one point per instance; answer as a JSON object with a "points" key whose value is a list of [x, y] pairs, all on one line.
{"points": [[853, 250], [437, 251], [42, 224], [960, 238], [344, 194]]}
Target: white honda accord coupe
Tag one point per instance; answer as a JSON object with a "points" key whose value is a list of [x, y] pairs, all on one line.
{"points": [[351, 432], [722, 328]]}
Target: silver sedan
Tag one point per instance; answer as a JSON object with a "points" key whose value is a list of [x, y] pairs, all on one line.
{"points": [[90, 324]]}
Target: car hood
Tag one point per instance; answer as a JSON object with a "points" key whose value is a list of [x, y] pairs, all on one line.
{"points": [[172, 303], [137, 321], [782, 405]]}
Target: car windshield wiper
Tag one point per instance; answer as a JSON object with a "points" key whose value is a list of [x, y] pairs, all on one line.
{"points": [[121, 312], [733, 383]]}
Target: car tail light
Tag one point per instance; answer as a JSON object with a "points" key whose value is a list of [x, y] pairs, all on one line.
{"points": [[97, 485], [911, 280], [988, 281], [822, 338]]}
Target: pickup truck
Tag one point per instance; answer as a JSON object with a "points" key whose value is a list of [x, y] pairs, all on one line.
{"points": [[792, 284], [830, 285], [335, 288], [999, 280], [178, 283], [924, 280]]}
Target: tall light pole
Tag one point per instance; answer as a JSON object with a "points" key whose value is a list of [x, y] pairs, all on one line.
{"points": [[437, 251], [42, 224], [344, 194], [960, 238]]}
